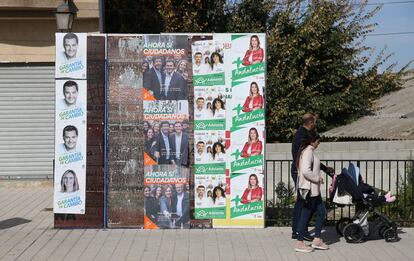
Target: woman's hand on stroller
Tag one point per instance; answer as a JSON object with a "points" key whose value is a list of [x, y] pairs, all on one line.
{"points": [[321, 180]]}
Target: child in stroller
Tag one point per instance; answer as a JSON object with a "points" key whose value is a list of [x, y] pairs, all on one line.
{"points": [[349, 188]]}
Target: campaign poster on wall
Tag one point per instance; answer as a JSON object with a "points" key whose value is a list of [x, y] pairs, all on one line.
{"points": [[210, 196], [166, 197], [167, 131], [247, 159], [248, 126], [70, 124], [70, 100], [70, 147], [245, 125], [209, 85], [70, 55], [210, 147]]}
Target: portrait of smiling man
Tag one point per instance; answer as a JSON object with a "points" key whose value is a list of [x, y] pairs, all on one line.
{"points": [[70, 140], [70, 94], [70, 45], [71, 50]]}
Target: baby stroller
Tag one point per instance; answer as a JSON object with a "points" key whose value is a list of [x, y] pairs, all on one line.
{"points": [[348, 188]]}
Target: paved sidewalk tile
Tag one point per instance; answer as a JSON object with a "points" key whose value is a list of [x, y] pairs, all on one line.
{"points": [[33, 237]]}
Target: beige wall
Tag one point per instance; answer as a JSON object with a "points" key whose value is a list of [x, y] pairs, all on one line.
{"points": [[28, 38], [87, 8]]}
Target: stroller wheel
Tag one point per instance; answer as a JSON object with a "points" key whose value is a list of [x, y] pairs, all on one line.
{"points": [[353, 233], [340, 225], [390, 235], [382, 230]]}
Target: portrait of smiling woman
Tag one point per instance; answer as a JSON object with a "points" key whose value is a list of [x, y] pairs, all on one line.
{"points": [[69, 182], [255, 54], [255, 100]]}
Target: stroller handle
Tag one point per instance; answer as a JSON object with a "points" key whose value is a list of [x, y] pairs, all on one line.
{"points": [[330, 174]]}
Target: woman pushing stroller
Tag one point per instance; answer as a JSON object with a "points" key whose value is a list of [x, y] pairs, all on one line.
{"points": [[309, 187]]}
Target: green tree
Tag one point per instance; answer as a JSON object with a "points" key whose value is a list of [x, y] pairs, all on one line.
{"points": [[193, 15], [249, 16], [316, 63]]}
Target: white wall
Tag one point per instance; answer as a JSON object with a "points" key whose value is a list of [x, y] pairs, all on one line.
{"points": [[386, 174], [363, 150]]}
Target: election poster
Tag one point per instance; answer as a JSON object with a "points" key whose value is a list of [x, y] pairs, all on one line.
{"points": [[166, 197], [248, 127], [247, 160], [70, 167], [245, 129], [185, 125], [166, 71], [210, 196], [70, 127], [209, 85], [70, 55], [70, 100], [210, 112]]}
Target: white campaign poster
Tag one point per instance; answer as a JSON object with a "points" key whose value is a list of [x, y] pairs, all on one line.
{"points": [[210, 196], [69, 196], [210, 148], [70, 55], [70, 100], [210, 110], [70, 124], [70, 167]]}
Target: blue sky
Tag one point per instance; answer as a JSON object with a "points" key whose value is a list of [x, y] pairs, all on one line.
{"points": [[394, 17]]}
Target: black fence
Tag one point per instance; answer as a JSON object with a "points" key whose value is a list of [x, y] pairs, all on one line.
{"points": [[396, 176]]}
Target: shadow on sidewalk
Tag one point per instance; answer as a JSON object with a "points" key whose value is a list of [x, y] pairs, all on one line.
{"points": [[12, 222]]}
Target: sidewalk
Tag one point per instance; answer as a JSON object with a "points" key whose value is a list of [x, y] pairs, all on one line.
{"points": [[26, 233]]}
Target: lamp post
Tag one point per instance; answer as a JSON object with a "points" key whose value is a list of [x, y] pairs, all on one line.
{"points": [[65, 14]]}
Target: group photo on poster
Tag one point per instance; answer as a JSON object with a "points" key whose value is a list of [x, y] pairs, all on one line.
{"points": [[209, 103], [167, 200], [208, 57], [70, 55], [210, 147], [165, 67], [210, 196], [70, 99], [166, 125], [167, 142]]}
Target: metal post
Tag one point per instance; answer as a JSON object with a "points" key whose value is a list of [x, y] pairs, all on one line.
{"points": [[106, 136], [102, 16]]}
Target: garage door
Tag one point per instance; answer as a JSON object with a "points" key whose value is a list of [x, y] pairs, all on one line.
{"points": [[27, 99]]}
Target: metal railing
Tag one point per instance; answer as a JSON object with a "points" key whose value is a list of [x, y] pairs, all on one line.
{"points": [[396, 176]]}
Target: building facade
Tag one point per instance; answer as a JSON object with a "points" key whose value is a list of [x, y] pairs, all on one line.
{"points": [[27, 89]]}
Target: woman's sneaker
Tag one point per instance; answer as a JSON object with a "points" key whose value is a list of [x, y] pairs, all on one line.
{"points": [[320, 245], [303, 248]]}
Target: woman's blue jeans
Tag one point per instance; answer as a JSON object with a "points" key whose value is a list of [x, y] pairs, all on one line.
{"points": [[315, 205]]}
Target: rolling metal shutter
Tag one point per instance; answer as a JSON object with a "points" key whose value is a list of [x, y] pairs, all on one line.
{"points": [[27, 101]]}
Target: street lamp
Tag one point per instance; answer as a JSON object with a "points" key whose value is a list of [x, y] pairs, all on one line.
{"points": [[65, 13]]}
